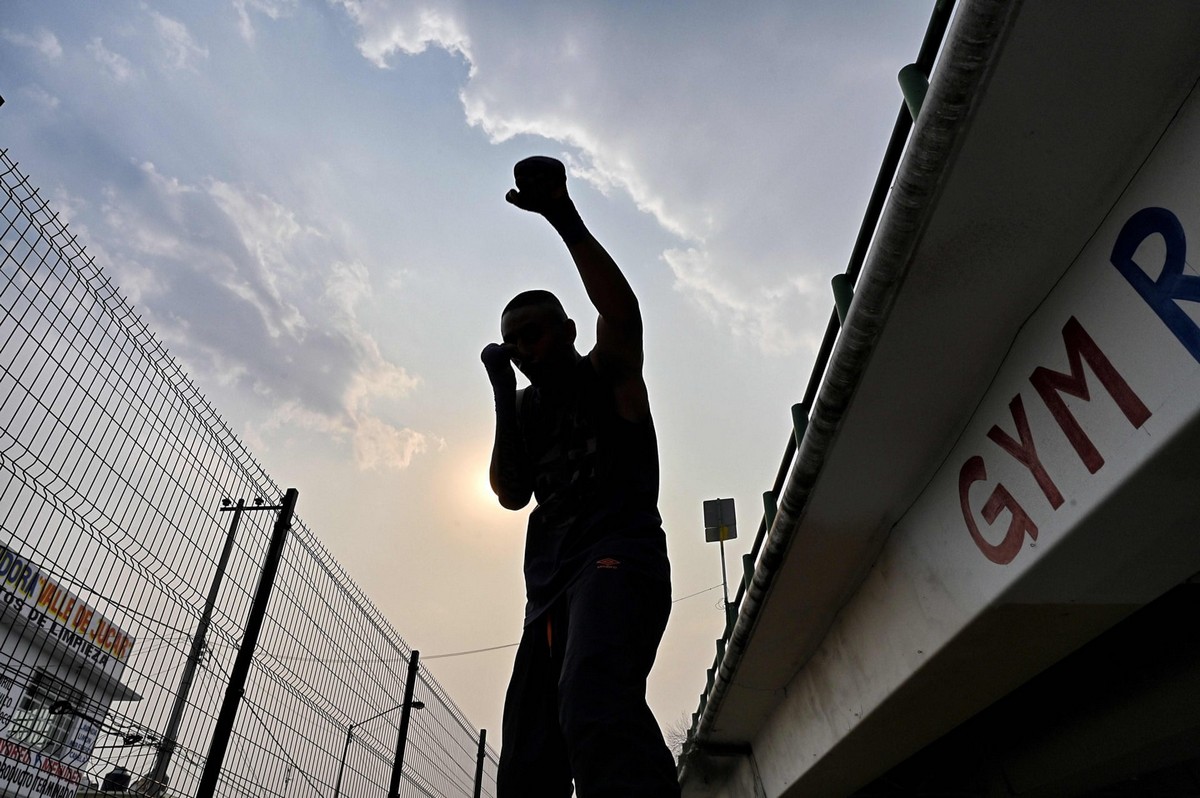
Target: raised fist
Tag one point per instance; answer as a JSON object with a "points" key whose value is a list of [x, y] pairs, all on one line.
{"points": [[541, 185]]}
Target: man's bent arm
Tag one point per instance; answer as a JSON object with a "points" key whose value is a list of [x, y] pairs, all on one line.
{"points": [[508, 475], [509, 471]]}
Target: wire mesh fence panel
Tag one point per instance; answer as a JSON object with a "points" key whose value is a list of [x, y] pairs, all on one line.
{"points": [[128, 571]]}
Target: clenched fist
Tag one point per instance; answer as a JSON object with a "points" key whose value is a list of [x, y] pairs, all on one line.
{"points": [[497, 359], [541, 185], [542, 188]]}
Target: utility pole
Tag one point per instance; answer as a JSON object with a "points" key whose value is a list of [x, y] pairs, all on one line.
{"points": [[241, 666], [155, 782], [337, 785]]}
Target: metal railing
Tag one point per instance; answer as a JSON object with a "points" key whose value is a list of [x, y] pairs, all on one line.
{"points": [[913, 80], [113, 472]]}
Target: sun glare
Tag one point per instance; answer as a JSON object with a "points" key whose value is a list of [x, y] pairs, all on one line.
{"points": [[478, 503], [483, 488]]}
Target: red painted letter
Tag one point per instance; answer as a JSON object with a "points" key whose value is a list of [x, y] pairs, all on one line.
{"points": [[1019, 525], [1049, 384], [1024, 452]]}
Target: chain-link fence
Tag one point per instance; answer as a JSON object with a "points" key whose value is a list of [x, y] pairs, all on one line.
{"points": [[113, 469]]}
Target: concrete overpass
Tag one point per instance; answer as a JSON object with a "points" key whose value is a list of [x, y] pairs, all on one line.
{"points": [[981, 578]]}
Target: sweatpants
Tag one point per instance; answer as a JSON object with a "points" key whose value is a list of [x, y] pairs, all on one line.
{"points": [[576, 706]]}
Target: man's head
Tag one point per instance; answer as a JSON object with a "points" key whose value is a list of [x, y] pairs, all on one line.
{"points": [[543, 338]]}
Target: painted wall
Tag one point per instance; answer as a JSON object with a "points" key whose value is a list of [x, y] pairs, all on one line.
{"points": [[1100, 381]]}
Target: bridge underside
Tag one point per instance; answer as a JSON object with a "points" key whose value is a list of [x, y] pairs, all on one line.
{"points": [[929, 573], [1122, 714]]}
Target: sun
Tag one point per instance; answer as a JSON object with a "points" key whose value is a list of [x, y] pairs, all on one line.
{"points": [[468, 501], [483, 488], [479, 503]]}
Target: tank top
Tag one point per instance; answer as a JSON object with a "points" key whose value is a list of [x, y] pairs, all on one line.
{"points": [[595, 482]]}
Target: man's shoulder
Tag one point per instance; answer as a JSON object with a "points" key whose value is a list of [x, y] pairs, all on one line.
{"points": [[626, 386]]}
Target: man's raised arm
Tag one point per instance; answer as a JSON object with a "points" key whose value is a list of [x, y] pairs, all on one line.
{"points": [[542, 188]]}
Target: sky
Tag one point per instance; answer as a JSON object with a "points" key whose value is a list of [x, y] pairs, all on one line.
{"points": [[305, 201]]}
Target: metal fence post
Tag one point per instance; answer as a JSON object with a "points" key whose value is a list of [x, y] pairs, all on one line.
{"points": [[245, 656], [479, 762], [405, 711]]}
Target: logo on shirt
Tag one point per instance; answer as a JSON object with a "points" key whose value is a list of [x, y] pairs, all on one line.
{"points": [[608, 564]]}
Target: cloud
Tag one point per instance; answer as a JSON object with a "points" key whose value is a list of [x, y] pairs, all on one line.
{"points": [[376, 444], [761, 313], [391, 28], [43, 41], [735, 149], [116, 65], [39, 96], [248, 293], [271, 9], [180, 50]]}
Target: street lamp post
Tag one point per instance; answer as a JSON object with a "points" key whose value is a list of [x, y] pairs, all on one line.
{"points": [[407, 704]]}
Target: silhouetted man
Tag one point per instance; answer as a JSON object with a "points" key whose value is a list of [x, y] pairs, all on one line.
{"points": [[580, 440]]}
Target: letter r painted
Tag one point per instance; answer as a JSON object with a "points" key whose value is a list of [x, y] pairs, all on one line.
{"points": [[1172, 285]]}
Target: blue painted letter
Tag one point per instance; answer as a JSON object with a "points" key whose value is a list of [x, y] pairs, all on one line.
{"points": [[1172, 284]]}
